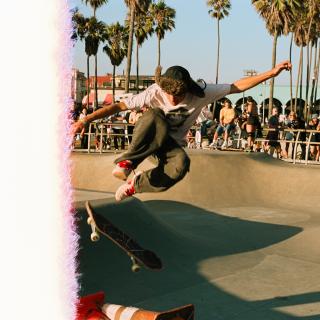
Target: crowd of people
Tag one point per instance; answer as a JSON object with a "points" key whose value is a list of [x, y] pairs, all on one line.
{"points": [[233, 129], [117, 130], [246, 130]]}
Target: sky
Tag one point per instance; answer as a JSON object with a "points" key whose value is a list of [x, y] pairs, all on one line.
{"points": [[245, 43]]}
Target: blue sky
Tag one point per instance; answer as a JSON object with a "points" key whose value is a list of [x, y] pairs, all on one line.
{"points": [[245, 43]]}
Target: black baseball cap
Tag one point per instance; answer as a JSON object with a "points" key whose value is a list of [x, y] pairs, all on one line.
{"points": [[177, 80]]}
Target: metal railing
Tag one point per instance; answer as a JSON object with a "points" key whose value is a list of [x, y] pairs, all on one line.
{"points": [[296, 141], [99, 135]]}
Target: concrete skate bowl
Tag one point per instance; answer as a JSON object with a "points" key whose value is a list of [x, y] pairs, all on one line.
{"points": [[238, 237]]}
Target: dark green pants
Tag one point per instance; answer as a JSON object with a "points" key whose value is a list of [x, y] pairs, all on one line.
{"points": [[151, 138]]}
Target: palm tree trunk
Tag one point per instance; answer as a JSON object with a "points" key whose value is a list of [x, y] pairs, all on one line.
{"points": [[95, 82], [218, 50], [290, 58], [317, 76], [113, 83], [159, 51], [130, 44], [274, 58], [309, 59], [88, 79], [137, 66], [298, 78], [307, 107], [301, 82], [314, 75], [218, 61]]}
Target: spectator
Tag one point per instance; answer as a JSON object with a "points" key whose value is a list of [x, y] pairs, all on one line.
{"points": [[315, 136], [252, 122], [273, 135], [100, 129], [191, 142], [302, 136], [291, 123], [242, 124], [132, 121], [83, 135], [119, 130], [226, 124], [206, 120]]}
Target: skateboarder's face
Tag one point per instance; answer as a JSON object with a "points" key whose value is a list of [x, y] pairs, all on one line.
{"points": [[173, 99]]}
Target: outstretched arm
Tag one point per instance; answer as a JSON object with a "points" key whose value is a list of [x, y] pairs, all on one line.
{"points": [[98, 114], [250, 82]]}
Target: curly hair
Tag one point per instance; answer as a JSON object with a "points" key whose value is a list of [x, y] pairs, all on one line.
{"points": [[172, 86], [169, 85]]}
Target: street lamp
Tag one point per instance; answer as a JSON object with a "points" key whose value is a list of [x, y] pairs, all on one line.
{"points": [[248, 73]]}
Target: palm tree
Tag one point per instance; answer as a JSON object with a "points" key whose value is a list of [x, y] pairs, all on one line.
{"points": [[313, 13], [143, 27], [163, 19], [315, 68], [299, 29], [79, 31], [220, 10], [95, 4], [135, 6], [316, 74], [279, 16], [306, 31], [116, 48], [91, 32]]}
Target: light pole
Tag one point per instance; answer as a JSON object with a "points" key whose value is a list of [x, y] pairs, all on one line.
{"points": [[248, 73], [263, 101]]}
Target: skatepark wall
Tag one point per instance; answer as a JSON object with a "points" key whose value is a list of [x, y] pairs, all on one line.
{"points": [[216, 179]]}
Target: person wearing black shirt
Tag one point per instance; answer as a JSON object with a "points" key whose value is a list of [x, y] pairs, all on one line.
{"points": [[273, 135]]}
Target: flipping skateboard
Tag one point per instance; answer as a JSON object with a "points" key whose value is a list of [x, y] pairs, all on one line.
{"points": [[138, 255]]}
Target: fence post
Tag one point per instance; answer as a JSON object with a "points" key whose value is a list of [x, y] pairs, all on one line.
{"points": [[89, 137], [296, 147]]}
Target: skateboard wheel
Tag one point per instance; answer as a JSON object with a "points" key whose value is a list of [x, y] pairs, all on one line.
{"points": [[94, 236], [135, 268]]}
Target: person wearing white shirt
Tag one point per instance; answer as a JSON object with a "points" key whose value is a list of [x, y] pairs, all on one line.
{"points": [[174, 102]]}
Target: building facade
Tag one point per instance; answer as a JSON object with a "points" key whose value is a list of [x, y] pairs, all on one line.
{"points": [[78, 86], [260, 93]]}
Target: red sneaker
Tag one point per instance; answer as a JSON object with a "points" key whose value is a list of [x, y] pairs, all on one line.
{"points": [[122, 169], [126, 190]]}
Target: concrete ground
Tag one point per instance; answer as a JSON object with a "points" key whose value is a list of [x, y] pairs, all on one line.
{"points": [[238, 237]]}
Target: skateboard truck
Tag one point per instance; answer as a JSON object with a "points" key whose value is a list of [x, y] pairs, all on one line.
{"points": [[96, 237], [94, 234], [135, 265], [139, 256]]}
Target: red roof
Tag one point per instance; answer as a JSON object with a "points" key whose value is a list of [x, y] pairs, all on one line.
{"points": [[101, 80], [105, 98]]}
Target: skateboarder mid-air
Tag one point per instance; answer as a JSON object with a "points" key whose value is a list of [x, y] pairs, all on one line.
{"points": [[174, 103]]}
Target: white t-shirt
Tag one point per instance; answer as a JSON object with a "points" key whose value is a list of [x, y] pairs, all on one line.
{"points": [[182, 116]]}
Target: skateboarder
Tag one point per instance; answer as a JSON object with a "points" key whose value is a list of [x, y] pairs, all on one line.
{"points": [[174, 102]]}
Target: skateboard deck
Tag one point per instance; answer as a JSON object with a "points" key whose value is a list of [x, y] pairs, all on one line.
{"points": [[229, 149], [138, 255], [225, 149]]}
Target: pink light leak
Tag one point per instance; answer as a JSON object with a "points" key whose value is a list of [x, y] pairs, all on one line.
{"points": [[64, 61]]}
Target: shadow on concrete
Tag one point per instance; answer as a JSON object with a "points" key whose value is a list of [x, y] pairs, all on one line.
{"points": [[190, 241]]}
